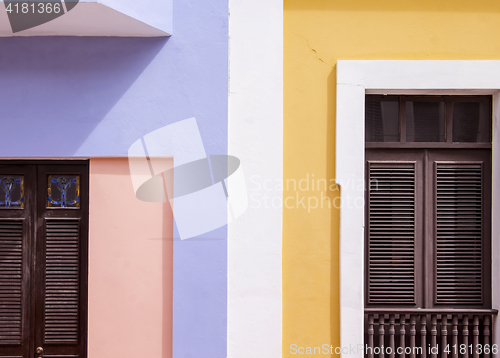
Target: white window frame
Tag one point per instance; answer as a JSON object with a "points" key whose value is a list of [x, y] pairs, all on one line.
{"points": [[355, 79]]}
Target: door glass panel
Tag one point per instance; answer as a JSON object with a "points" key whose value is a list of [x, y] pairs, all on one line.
{"points": [[382, 119], [471, 121], [425, 120], [12, 192], [63, 191]]}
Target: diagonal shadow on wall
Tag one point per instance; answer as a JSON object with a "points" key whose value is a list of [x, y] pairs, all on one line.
{"points": [[54, 91]]}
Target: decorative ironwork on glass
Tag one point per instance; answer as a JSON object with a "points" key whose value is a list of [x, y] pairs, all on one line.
{"points": [[63, 191], [13, 189]]}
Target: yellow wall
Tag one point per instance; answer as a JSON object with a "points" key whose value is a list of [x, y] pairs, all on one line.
{"points": [[317, 33]]}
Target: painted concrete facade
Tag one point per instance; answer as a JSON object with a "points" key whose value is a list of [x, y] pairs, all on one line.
{"points": [[261, 79], [130, 267], [97, 18], [316, 35], [256, 137], [92, 97]]}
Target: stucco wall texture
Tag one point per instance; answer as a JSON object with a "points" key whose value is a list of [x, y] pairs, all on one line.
{"points": [[317, 33], [130, 267], [93, 97]]}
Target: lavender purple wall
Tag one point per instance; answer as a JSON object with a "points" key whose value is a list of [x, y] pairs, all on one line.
{"points": [[63, 97]]}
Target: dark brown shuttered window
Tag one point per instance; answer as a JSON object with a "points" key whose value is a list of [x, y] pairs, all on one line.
{"points": [[391, 245], [428, 212], [459, 231], [43, 259]]}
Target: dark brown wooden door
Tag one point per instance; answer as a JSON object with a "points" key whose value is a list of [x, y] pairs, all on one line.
{"points": [[43, 259]]}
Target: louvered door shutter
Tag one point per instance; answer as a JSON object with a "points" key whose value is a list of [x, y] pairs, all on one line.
{"points": [[62, 277], [62, 261], [11, 281], [391, 232], [461, 232], [16, 238]]}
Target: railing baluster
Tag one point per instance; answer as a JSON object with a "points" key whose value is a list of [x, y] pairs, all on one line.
{"points": [[423, 335], [413, 333], [371, 332], [486, 335], [475, 337], [444, 336], [465, 334], [402, 334], [443, 333], [434, 333], [381, 335], [392, 332], [454, 339]]}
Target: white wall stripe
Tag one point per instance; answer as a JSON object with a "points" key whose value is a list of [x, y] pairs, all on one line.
{"points": [[256, 137]]}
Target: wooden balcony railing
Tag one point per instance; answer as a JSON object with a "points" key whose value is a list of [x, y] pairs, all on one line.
{"points": [[429, 333]]}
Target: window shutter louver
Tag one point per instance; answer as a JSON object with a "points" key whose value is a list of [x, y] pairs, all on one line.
{"points": [[11, 281], [391, 232], [459, 233], [62, 281]]}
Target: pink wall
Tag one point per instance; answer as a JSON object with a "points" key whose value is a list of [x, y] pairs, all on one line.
{"points": [[130, 267]]}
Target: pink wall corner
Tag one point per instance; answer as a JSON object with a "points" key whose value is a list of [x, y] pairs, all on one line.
{"points": [[130, 267]]}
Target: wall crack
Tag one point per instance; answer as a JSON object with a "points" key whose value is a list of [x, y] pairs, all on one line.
{"points": [[316, 54], [313, 50]]}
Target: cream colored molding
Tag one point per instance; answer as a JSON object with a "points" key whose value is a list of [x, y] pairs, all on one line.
{"points": [[354, 80]]}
